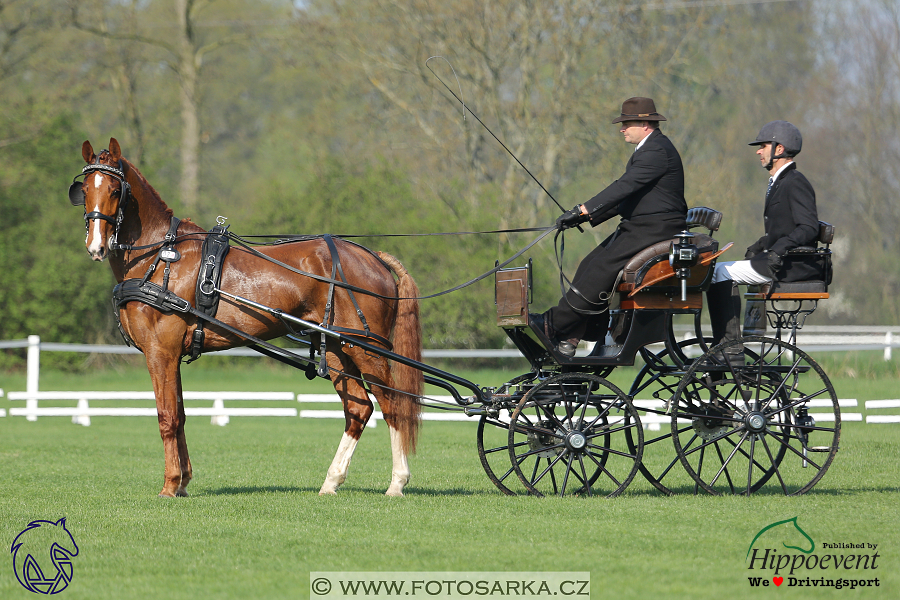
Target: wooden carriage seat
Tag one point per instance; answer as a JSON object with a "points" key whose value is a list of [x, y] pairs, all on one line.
{"points": [[816, 289], [652, 263]]}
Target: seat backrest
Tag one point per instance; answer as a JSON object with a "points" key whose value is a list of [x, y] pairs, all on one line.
{"points": [[659, 252], [826, 232], [703, 216]]}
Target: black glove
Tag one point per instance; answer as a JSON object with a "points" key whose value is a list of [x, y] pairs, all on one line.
{"points": [[766, 263], [571, 218], [774, 261]]}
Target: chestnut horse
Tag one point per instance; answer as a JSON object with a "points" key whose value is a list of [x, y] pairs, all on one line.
{"points": [[165, 337]]}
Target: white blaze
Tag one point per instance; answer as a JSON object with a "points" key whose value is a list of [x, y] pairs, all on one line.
{"points": [[95, 223]]}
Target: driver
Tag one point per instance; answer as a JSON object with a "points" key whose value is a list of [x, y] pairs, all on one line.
{"points": [[649, 198]]}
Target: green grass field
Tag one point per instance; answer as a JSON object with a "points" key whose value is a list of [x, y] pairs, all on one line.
{"points": [[256, 527]]}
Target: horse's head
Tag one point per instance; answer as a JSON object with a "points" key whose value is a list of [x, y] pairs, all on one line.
{"points": [[104, 193]]}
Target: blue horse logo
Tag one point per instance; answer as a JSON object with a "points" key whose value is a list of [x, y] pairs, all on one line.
{"points": [[42, 556]]}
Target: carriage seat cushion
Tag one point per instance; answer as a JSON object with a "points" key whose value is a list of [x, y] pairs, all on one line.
{"points": [[704, 242], [798, 287], [792, 287]]}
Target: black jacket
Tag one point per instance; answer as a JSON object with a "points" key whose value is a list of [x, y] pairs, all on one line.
{"points": [[653, 183], [650, 199], [791, 221]]}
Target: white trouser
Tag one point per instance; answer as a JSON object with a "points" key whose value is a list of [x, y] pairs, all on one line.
{"points": [[738, 271]]}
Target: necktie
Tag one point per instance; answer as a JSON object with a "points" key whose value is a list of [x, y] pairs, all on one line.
{"points": [[769, 189]]}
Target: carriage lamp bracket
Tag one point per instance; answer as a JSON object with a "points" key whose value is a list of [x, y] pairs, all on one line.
{"points": [[805, 421], [683, 255]]}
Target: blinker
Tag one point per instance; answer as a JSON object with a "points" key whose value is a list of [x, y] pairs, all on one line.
{"points": [[76, 194]]}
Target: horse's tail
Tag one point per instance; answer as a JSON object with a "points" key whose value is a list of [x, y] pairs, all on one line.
{"points": [[407, 342]]}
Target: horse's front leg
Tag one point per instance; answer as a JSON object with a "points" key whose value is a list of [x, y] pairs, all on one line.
{"points": [[184, 460], [165, 373]]}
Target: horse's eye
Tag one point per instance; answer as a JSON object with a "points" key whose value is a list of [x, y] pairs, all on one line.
{"points": [[115, 192]]}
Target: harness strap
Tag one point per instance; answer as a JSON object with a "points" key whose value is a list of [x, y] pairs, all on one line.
{"points": [[215, 247], [326, 319], [167, 253], [336, 260], [150, 293]]}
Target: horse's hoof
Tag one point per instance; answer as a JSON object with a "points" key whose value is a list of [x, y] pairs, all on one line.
{"points": [[181, 493], [394, 493], [165, 494]]}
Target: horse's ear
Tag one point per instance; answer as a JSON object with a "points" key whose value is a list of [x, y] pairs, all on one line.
{"points": [[115, 152], [87, 152]]}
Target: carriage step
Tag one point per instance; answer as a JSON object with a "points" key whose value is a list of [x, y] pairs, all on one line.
{"points": [[819, 448], [606, 351]]}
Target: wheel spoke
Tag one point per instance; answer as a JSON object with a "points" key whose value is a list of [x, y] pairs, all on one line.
{"points": [[541, 449], [774, 465], [566, 476], [714, 440], [750, 463], [727, 474], [585, 481], [609, 431], [728, 460], [747, 456], [699, 471], [611, 451], [604, 469], [506, 447]]}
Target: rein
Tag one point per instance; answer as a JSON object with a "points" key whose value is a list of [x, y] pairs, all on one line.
{"points": [[246, 246]]}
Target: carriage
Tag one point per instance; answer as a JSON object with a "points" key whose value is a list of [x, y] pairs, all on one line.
{"points": [[768, 423], [772, 421]]}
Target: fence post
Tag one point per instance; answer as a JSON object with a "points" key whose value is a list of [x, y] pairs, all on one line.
{"points": [[888, 340], [33, 374]]}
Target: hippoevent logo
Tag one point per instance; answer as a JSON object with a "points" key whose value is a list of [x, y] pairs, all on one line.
{"points": [[782, 553], [42, 556]]}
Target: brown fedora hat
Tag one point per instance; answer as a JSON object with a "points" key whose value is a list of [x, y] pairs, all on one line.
{"points": [[639, 109]]}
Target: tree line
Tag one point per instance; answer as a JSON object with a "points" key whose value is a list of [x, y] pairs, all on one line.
{"points": [[335, 116]]}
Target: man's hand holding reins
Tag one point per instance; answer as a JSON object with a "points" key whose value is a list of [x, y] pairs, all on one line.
{"points": [[572, 218]]}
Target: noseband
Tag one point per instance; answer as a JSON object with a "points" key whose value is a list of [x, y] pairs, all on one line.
{"points": [[77, 197]]}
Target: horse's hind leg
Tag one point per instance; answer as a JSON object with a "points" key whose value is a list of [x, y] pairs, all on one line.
{"points": [[357, 411], [377, 373]]}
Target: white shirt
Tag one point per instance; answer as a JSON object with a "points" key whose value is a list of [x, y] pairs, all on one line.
{"points": [[774, 177], [641, 143]]}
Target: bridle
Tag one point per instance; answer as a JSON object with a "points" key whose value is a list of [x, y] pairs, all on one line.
{"points": [[77, 197]]}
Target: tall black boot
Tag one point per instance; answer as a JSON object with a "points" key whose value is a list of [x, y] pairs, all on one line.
{"points": [[724, 301]]}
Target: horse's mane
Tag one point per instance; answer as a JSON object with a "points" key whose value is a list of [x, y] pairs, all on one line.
{"points": [[149, 187]]}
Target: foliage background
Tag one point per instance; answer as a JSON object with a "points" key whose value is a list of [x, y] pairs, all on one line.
{"points": [[322, 116]]}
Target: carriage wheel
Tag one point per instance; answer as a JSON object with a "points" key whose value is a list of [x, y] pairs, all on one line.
{"points": [[656, 382], [493, 450], [566, 436], [771, 424]]}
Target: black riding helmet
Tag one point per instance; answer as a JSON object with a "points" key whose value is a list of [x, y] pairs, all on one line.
{"points": [[779, 132]]}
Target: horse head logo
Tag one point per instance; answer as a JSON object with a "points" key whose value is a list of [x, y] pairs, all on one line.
{"points": [[42, 556], [790, 532]]}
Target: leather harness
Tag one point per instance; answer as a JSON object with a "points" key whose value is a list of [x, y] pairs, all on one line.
{"points": [[215, 248]]}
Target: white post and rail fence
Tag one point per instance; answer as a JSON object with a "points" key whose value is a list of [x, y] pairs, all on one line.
{"points": [[812, 339]]}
